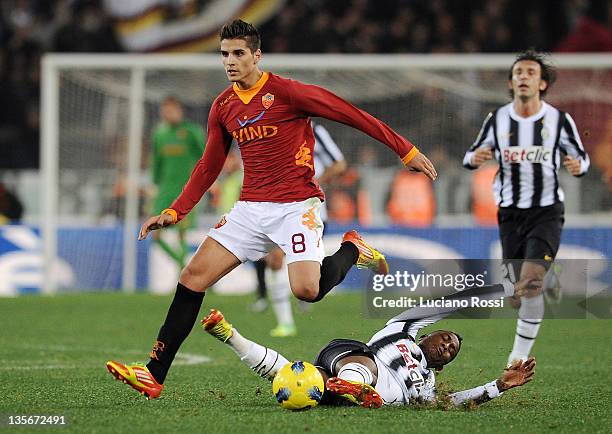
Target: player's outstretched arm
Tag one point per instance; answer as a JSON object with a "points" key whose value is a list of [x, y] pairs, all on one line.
{"points": [[154, 223], [317, 101], [516, 375], [203, 175]]}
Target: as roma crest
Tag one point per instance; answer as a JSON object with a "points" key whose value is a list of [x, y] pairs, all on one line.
{"points": [[221, 222], [267, 100]]}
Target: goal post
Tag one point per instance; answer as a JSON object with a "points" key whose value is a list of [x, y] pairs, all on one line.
{"points": [[97, 112]]}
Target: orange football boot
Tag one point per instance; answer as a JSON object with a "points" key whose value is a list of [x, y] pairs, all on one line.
{"points": [[358, 393], [137, 376], [216, 324], [369, 257]]}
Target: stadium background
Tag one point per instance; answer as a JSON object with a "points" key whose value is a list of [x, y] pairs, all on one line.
{"points": [[441, 112]]}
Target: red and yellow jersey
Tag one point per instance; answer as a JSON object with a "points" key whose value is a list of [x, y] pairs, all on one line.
{"points": [[270, 124]]}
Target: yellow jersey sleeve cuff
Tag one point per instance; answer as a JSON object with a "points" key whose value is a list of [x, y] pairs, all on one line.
{"points": [[410, 155], [171, 213]]}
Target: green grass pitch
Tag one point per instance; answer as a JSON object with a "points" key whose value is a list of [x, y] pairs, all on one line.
{"points": [[53, 351]]}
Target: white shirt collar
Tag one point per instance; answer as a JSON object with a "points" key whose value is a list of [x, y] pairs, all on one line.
{"points": [[531, 118]]}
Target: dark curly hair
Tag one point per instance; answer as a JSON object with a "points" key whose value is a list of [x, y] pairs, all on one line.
{"points": [[549, 74], [239, 29]]}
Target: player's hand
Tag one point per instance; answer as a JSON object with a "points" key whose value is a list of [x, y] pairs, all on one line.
{"points": [[572, 165], [528, 286], [480, 156], [517, 374], [154, 223], [420, 163]]}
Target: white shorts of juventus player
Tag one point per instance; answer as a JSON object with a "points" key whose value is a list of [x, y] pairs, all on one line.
{"points": [[251, 229]]}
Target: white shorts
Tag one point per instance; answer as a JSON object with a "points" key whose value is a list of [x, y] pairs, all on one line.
{"points": [[251, 229]]}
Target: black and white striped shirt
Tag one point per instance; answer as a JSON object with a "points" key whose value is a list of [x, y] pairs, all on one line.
{"points": [[529, 154], [403, 374], [326, 152]]}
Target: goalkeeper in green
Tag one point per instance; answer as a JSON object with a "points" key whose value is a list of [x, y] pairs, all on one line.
{"points": [[178, 144]]}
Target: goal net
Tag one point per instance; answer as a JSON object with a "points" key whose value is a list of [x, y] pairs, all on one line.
{"points": [[98, 112]]}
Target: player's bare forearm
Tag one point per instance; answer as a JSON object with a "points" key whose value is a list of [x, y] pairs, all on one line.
{"points": [[153, 223]]}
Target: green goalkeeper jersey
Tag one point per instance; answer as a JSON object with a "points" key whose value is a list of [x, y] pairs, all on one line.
{"points": [[176, 150]]}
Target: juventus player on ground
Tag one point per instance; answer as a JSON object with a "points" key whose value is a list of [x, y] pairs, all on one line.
{"points": [[529, 138], [393, 367], [268, 117]]}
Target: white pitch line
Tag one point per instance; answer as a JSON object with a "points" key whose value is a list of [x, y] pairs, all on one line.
{"points": [[29, 368], [188, 359], [182, 359]]}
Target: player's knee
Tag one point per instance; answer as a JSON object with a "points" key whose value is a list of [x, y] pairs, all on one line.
{"points": [[533, 272], [306, 291], [534, 293], [193, 279], [275, 259]]}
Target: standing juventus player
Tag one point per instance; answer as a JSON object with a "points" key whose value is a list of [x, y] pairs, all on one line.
{"points": [[528, 138], [268, 117]]}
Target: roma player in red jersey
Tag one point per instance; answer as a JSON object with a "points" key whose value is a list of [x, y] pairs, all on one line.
{"points": [[268, 117]]}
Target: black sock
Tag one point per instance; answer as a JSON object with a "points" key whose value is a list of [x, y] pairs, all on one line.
{"points": [[335, 267], [260, 267], [181, 317]]}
